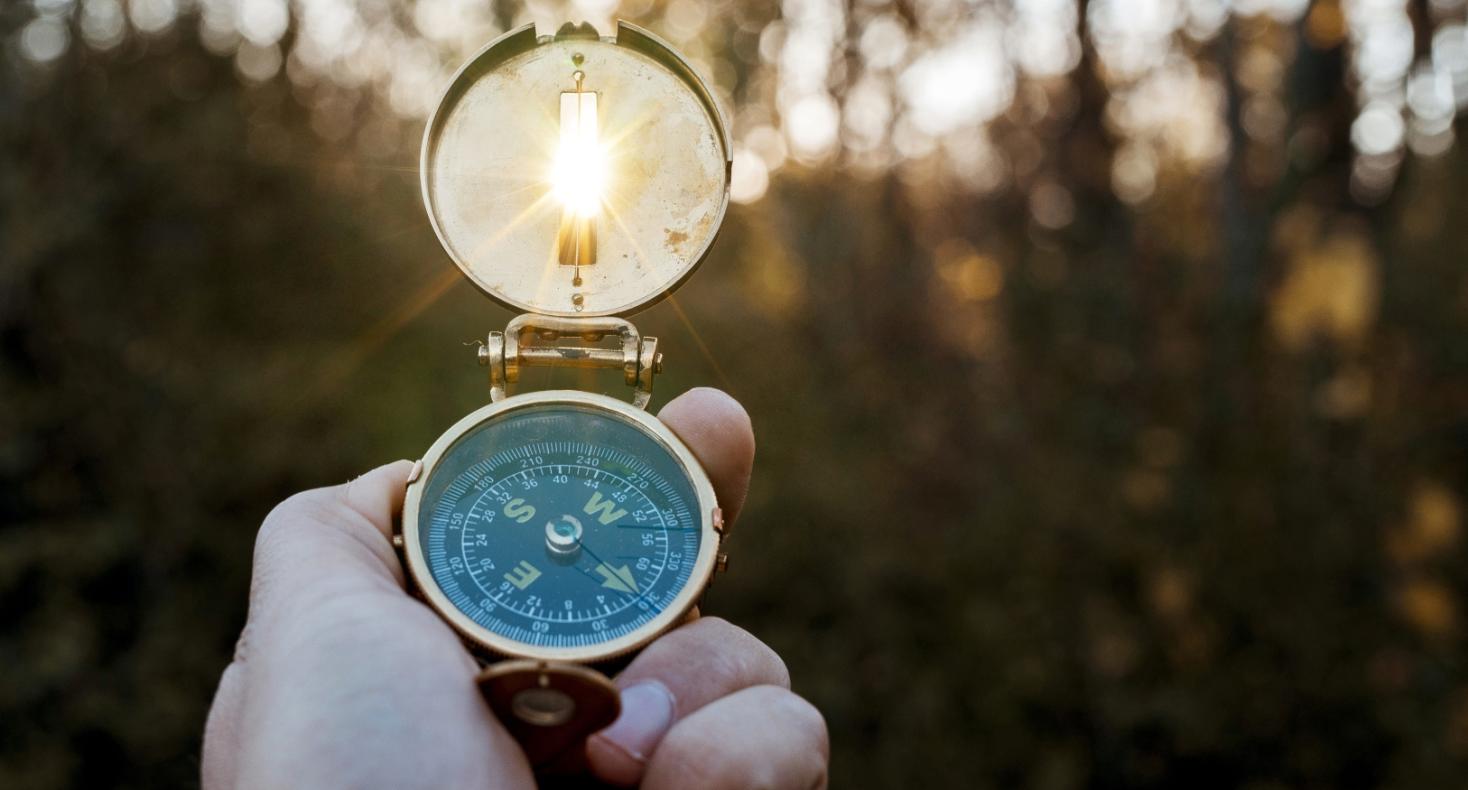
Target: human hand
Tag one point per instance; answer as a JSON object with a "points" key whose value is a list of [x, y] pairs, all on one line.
{"points": [[341, 679]]}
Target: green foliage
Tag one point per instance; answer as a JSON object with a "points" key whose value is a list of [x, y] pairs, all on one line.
{"points": [[1167, 497]]}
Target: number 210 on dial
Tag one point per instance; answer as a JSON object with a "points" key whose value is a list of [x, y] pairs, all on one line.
{"points": [[559, 543]]}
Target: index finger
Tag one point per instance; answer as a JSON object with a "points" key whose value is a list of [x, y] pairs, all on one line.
{"points": [[683, 671], [717, 429]]}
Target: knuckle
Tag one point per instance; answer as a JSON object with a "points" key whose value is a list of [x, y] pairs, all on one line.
{"points": [[809, 740], [810, 721], [272, 543], [787, 704], [810, 744], [297, 518], [312, 505], [315, 511], [691, 754], [790, 751], [278, 525], [740, 654]]}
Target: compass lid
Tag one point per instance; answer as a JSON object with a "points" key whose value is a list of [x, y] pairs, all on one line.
{"points": [[574, 174]]}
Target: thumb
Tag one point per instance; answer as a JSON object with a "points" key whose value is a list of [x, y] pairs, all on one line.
{"points": [[336, 537]]}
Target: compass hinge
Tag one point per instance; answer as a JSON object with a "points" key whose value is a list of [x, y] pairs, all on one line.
{"points": [[538, 340]]}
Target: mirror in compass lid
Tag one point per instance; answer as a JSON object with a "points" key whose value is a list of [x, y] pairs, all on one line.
{"points": [[574, 175]]}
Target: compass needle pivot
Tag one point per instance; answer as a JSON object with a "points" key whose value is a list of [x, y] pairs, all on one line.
{"points": [[559, 531]]}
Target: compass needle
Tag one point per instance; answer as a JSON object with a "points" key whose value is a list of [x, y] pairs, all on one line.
{"points": [[619, 579], [514, 519], [576, 179]]}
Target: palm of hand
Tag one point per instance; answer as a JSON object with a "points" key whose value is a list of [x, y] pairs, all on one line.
{"points": [[343, 680], [361, 685]]}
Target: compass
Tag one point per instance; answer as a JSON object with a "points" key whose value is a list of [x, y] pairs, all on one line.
{"points": [[576, 179]]}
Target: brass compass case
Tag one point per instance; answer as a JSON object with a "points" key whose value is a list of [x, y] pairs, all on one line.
{"points": [[576, 179], [711, 527]]}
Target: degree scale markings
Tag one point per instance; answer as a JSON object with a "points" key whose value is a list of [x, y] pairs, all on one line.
{"points": [[475, 487], [597, 475]]}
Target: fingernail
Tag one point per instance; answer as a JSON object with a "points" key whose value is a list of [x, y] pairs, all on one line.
{"points": [[647, 713]]}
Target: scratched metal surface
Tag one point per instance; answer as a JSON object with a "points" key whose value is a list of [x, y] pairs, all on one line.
{"points": [[488, 180]]}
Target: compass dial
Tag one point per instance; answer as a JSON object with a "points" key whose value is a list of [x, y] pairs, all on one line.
{"points": [[560, 525]]}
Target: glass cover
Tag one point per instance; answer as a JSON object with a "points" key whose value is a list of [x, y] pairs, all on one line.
{"points": [[559, 526]]}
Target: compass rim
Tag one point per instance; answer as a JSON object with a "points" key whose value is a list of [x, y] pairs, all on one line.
{"points": [[420, 572]]}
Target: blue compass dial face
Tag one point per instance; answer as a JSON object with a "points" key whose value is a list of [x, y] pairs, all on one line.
{"points": [[559, 525]]}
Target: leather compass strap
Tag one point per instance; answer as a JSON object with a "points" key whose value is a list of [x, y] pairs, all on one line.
{"points": [[550, 707]]}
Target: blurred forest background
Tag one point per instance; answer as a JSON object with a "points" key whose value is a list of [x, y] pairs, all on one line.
{"points": [[1107, 361]]}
